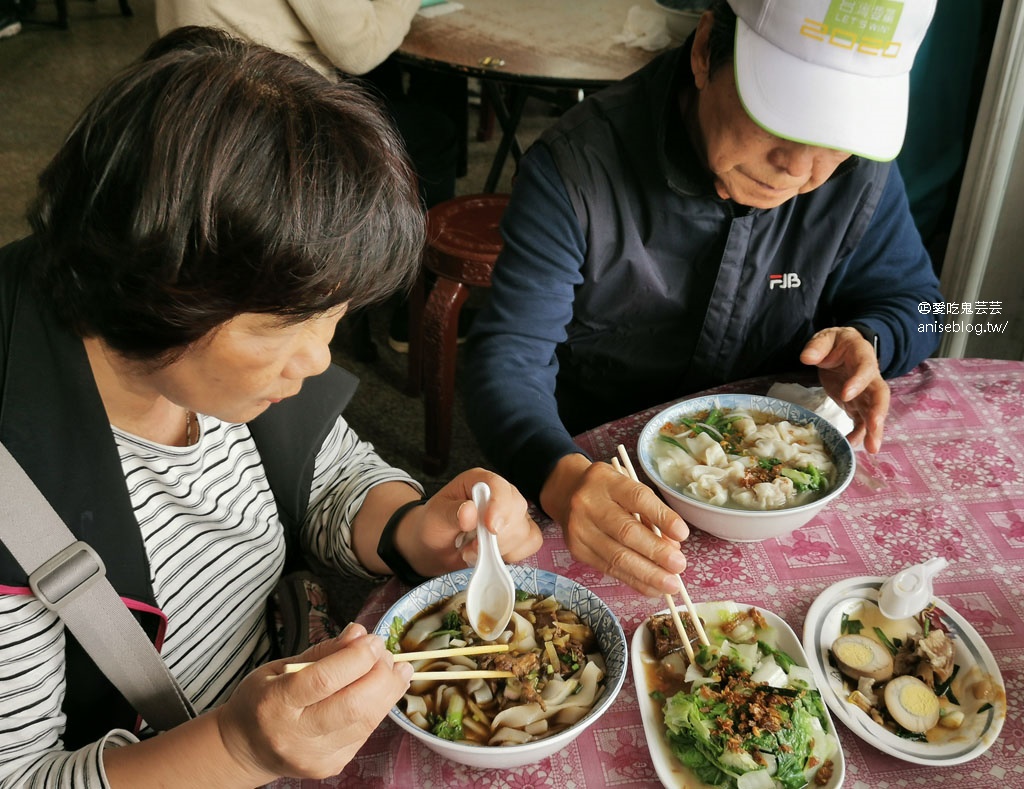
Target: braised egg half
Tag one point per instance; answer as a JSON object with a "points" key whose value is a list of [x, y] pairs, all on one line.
{"points": [[912, 704], [859, 656]]}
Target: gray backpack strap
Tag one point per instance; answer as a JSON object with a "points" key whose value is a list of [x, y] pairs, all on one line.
{"points": [[69, 578]]}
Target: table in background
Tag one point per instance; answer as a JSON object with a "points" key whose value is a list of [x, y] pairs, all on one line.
{"points": [[525, 45], [949, 482]]}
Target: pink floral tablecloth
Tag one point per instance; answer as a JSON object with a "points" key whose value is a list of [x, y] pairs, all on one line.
{"points": [[948, 482]]}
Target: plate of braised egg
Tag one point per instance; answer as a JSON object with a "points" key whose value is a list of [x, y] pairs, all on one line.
{"points": [[924, 689]]}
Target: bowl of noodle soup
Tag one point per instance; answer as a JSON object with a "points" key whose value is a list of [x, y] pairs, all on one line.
{"points": [[507, 723], [745, 467]]}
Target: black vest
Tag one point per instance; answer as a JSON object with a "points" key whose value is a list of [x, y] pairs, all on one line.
{"points": [[53, 422]]}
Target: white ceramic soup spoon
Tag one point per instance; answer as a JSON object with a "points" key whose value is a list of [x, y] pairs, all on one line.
{"points": [[491, 594]]}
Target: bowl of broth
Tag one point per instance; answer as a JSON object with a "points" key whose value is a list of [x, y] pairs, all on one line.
{"points": [[745, 467], [566, 648]]}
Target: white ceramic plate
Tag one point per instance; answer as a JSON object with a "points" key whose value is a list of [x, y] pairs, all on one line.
{"points": [[671, 773], [979, 730]]}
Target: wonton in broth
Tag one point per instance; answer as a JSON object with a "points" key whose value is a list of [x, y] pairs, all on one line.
{"points": [[744, 460]]}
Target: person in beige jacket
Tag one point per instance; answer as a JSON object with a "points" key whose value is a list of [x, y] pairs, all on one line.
{"points": [[348, 36]]}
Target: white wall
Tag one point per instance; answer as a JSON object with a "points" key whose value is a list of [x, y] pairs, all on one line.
{"points": [[985, 257], [1004, 275]]}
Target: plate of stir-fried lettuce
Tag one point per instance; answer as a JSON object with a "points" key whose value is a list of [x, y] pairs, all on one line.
{"points": [[744, 714]]}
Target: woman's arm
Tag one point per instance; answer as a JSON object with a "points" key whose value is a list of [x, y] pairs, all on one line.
{"points": [[346, 471], [31, 691], [355, 493], [307, 724]]}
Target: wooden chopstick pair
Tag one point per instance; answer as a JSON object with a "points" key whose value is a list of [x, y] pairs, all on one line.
{"points": [[430, 654], [626, 468]]}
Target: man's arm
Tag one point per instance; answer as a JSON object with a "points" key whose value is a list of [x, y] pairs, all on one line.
{"points": [[884, 281], [511, 370], [510, 395], [881, 333]]}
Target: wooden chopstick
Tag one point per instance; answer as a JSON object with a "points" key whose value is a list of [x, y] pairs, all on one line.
{"points": [[467, 674], [430, 654], [480, 649], [431, 675], [690, 607]]}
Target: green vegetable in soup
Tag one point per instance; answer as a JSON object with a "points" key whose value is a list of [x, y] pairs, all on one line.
{"points": [[450, 726], [784, 661], [673, 442], [807, 478], [395, 635], [451, 625], [847, 625]]}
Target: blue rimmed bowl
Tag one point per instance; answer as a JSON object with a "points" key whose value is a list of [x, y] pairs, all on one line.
{"points": [[590, 608], [740, 525]]}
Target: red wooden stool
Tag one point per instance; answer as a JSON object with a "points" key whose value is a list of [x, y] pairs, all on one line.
{"points": [[462, 244]]}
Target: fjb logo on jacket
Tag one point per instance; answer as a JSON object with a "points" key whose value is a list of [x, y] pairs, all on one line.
{"points": [[788, 280]]}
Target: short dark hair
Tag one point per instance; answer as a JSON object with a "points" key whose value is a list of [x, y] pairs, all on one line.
{"points": [[722, 37], [216, 177]]}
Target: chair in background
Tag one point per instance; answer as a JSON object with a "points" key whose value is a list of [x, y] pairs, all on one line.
{"points": [[462, 244], [62, 12]]}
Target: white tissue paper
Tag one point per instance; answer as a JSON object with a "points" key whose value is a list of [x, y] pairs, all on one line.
{"points": [[645, 29], [814, 399]]}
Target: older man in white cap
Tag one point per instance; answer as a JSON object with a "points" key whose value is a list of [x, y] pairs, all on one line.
{"points": [[729, 210]]}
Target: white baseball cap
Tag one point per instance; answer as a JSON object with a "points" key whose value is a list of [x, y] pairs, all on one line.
{"points": [[830, 73]]}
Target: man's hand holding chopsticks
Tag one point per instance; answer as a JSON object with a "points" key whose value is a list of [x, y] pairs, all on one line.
{"points": [[597, 509]]}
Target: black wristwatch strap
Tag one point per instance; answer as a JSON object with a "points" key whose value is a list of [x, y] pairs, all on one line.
{"points": [[868, 334], [388, 551]]}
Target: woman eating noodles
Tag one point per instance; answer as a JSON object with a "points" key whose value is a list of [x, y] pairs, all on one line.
{"points": [[165, 381]]}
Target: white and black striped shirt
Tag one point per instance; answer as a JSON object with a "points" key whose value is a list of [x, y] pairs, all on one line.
{"points": [[215, 546]]}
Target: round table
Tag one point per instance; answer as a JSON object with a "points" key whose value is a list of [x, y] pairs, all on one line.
{"points": [[949, 481], [521, 49]]}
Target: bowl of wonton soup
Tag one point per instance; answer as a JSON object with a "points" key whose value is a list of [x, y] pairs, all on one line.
{"points": [[529, 736], [745, 467]]}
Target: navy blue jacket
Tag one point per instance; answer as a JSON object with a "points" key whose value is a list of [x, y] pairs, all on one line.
{"points": [[625, 281]]}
